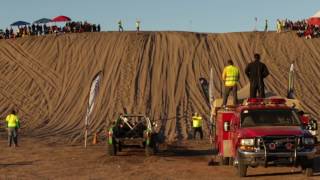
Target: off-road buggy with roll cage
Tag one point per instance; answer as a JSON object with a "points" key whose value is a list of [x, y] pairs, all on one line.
{"points": [[132, 130]]}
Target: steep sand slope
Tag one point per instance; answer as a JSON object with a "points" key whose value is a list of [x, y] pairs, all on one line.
{"points": [[48, 78]]}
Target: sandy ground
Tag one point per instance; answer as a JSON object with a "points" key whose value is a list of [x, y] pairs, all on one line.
{"points": [[39, 159]]}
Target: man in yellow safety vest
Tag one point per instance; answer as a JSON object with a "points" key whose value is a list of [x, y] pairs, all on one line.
{"points": [[197, 125], [13, 124], [230, 76]]}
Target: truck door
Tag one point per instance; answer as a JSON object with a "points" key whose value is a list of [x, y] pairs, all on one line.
{"points": [[225, 133]]}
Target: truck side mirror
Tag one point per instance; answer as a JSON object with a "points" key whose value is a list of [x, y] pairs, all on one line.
{"points": [[226, 126]]}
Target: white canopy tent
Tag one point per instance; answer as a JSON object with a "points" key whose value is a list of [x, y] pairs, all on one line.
{"points": [[315, 19], [316, 15]]}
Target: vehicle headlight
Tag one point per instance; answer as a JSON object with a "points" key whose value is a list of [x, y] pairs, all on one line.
{"points": [[308, 141], [247, 142]]}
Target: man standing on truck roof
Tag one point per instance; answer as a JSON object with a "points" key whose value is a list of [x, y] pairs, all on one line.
{"points": [[256, 72], [197, 125], [230, 76]]}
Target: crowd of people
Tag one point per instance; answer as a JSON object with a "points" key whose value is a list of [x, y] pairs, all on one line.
{"points": [[302, 28], [37, 29], [311, 31], [288, 25], [70, 27]]}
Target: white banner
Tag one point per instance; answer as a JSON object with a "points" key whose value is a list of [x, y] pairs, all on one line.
{"points": [[211, 97], [92, 96]]}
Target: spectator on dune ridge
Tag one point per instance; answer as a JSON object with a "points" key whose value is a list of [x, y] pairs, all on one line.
{"points": [[266, 26], [7, 34], [278, 26], [11, 33], [138, 25], [37, 29], [301, 27], [120, 27]]}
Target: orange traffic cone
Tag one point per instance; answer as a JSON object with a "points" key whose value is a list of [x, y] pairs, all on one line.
{"points": [[95, 139]]}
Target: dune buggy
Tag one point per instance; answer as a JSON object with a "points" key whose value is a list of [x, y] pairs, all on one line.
{"points": [[132, 130]]}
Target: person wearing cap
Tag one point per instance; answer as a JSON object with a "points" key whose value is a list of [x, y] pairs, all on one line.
{"points": [[197, 125], [13, 124], [256, 72]]}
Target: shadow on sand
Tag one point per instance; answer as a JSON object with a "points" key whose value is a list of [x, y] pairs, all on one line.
{"points": [[316, 169], [174, 150], [22, 163]]}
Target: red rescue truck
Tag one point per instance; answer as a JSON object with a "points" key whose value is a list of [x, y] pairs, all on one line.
{"points": [[263, 132]]}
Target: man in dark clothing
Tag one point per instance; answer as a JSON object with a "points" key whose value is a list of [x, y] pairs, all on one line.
{"points": [[256, 72]]}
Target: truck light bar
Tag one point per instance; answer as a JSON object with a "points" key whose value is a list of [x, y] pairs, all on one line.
{"points": [[276, 101], [255, 101]]}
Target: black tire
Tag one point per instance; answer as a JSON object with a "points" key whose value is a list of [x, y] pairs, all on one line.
{"points": [[231, 161], [149, 151], [307, 167], [112, 150], [155, 147], [225, 161], [222, 160], [152, 148], [242, 169], [119, 147], [309, 172]]}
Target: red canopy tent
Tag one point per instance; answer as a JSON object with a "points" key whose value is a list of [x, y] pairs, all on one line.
{"points": [[61, 19], [315, 19]]}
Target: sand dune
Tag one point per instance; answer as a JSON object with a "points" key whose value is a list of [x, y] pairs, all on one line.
{"points": [[48, 78]]}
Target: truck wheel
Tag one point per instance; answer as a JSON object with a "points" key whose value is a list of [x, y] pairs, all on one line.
{"points": [[231, 161], [242, 169], [309, 172], [119, 147], [223, 160], [149, 151], [307, 167], [112, 150]]}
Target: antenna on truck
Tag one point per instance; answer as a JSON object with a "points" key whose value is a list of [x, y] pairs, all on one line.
{"points": [[290, 94]]}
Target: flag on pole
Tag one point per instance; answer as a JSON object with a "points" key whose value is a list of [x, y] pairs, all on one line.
{"points": [[291, 82], [211, 97], [92, 96], [255, 23]]}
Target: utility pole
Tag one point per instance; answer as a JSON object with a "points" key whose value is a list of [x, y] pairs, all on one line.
{"points": [[255, 24], [190, 23]]}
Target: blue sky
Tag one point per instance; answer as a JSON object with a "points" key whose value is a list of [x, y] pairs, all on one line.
{"points": [[159, 15]]}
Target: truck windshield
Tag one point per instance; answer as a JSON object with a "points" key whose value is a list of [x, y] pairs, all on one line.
{"points": [[264, 117]]}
